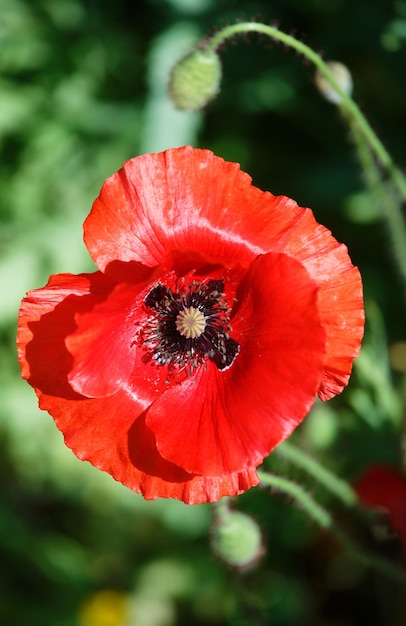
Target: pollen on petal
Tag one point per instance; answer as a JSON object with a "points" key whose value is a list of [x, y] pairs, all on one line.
{"points": [[190, 322]]}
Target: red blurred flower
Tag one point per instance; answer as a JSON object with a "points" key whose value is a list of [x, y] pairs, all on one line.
{"points": [[218, 313], [384, 487]]}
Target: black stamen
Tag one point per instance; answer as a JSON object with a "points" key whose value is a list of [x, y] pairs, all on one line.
{"points": [[170, 347]]}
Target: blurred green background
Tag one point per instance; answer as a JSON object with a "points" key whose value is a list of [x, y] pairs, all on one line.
{"points": [[82, 89]]}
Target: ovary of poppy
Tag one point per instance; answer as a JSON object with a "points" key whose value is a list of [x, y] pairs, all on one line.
{"points": [[217, 314]]}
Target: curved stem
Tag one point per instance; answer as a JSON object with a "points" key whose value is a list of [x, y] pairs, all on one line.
{"points": [[340, 488], [346, 104], [385, 197], [222, 510], [323, 518]]}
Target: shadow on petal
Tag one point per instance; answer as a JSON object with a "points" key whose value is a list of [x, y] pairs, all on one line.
{"points": [[45, 352], [129, 272], [145, 457]]}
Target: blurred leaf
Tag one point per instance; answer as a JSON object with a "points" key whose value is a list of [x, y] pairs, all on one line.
{"points": [[377, 401], [361, 208], [22, 45], [321, 426], [166, 577], [164, 126], [66, 14], [269, 91], [18, 104], [189, 6]]}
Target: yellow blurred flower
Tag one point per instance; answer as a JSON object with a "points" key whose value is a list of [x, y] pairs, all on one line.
{"points": [[104, 608]]}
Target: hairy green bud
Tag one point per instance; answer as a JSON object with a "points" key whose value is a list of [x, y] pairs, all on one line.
{"points": [[195, 80], [237, 540]]}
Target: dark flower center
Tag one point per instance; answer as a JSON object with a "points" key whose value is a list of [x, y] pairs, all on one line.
{"points": [[190, 325]]}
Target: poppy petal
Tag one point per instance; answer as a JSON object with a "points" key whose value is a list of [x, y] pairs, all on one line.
{"points": [[103, 346], [102, 431], [340, 299], [158, 203], [345, 328], [46, 317], [217, 422], [169, 416], [106, 433]]}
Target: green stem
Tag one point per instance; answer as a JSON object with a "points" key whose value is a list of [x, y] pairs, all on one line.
{"points": [[346, 104], [330, 481], [323, 518], [222, 510], [385, 197]]}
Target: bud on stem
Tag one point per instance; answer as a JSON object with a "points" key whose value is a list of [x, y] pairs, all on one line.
{"points": [[236, 539], [343, 78], [195, 80]]}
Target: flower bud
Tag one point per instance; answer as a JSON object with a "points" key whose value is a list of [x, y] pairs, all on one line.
{"points": [[195, 80], [237, 540], [343, 78]]}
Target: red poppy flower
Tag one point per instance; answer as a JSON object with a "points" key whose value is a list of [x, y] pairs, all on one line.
{"points": [[217, 313], [384, 487]]}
